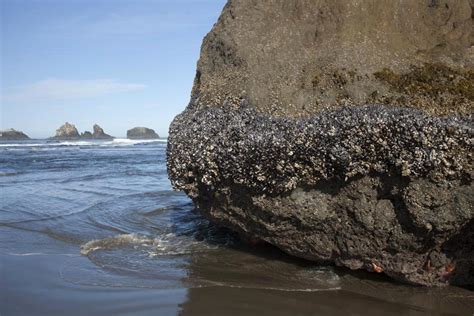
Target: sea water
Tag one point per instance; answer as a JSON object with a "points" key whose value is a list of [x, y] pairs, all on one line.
{"points": [[94, 228]]}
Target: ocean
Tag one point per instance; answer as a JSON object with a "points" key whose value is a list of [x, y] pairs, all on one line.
{"points": [[94, 228]]}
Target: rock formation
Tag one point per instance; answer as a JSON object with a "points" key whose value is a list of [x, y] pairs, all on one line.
{"points": [[12, 134], [86, 135], [142, 133], [339, 131], [66, 132], [69, 132], [99, 133]]}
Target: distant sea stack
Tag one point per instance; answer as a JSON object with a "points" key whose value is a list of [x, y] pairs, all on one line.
{"points": [[86, 135], [98, 133], [12, 134], [339, 131], [142, 133], [69, 132]]}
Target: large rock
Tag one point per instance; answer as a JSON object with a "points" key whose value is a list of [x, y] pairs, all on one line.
{"points": [[12, 134], [142, 133], [66, 132], [278, 143]]}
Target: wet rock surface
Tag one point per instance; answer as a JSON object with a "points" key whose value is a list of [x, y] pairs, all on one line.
{"points": [[12, 134], [280, 142], [378, 188], [142, 133]]}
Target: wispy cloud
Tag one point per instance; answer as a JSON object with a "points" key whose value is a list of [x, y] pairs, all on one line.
{"points": [[62, 89]]}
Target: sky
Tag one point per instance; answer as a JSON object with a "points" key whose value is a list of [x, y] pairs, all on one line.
{"points": [[117, 63]]}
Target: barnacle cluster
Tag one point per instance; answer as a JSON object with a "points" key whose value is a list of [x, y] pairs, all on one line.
{"points": [[216, 146]]}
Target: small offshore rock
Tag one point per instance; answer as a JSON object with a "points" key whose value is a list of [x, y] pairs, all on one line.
{"points": [[86, 135], [12, 134], [66, 132], [98, 133], [142, 133]]}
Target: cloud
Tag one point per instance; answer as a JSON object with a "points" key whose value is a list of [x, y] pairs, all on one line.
{"points": [[62, 89]]}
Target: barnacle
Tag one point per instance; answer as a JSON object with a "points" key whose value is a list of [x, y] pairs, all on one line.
{"points": [[377, 268], [429, 266]]}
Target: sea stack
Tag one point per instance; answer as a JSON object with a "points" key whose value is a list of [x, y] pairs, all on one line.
{"points": [[67, 132], [12, 134], [142, 133], [98, 133], [86, 135], [339, 131]]}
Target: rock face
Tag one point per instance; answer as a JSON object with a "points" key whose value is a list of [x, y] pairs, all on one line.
{"points": [[142, 133], [278, 142], [66, 132], [294, 58], [11, 134], [69, 132]]}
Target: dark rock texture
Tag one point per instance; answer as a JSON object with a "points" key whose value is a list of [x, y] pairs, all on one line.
{"points": [[86, 135], [142, 133], [278, 143], [376, 188], [12, 134]]}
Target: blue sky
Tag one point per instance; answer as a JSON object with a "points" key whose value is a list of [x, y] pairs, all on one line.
{"points": [[113, 62]]}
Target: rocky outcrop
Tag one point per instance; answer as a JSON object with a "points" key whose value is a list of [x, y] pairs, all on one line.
{"points": [[86, 135], [11, 134], [66, 132], [70, 132], [142, 133], [279, 144], [99, 133]]}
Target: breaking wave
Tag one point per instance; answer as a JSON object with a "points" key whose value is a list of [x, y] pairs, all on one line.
{"points": [[168, 244], [100, 143]]}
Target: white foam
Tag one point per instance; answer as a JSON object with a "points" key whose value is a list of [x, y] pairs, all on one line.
{"points": [[42, 254], [114, 242], [126, 141], [102, 143], [166, 244], [282, 289], [22, 145]]}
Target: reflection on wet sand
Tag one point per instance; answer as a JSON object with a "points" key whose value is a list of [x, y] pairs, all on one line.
{"points": [[249, 281]]}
